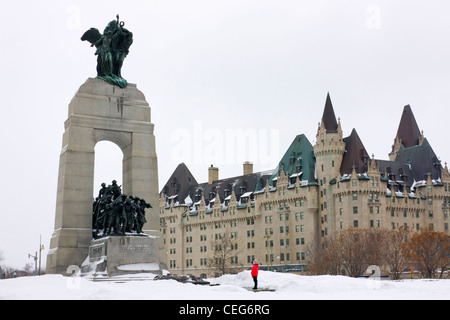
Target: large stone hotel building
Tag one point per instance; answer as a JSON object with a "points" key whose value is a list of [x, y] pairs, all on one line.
{"points": [[314, 193]]}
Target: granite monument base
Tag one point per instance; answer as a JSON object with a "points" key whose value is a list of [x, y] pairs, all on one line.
{"points": [[101, 112], [121, 255]]}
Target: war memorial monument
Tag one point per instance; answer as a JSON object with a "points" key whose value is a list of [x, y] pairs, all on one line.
{"points": [[117, 232]]}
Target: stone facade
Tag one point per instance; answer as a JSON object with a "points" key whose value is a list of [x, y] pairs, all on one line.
{"points": [[314, 193]]}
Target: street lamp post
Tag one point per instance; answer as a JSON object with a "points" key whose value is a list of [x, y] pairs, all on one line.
{"points": [[41, 248], [35, 257]]}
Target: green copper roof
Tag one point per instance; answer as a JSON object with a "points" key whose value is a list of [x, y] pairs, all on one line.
{"points": [[298, 157]]}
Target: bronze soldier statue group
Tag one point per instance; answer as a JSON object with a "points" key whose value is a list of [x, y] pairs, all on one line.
{"points": [[115, 213]]}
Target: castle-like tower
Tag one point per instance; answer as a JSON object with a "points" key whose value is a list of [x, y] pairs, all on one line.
{"points": [[328, 151]]}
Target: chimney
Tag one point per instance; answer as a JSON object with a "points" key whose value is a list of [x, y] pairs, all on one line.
{"points": [[248, 167], [213, 174]]}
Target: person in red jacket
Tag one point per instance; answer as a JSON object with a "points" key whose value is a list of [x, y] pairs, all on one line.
{"points": [[255, 273]]}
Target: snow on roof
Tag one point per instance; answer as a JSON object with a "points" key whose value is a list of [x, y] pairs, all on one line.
{"points": [[188, 200], [247, 194], [295, 175]]}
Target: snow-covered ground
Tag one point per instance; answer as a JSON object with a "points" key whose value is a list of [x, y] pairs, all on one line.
{"points": [[232, 287]]}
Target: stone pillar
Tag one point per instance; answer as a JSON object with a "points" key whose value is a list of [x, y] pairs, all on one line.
{"points": [[100, 111]]}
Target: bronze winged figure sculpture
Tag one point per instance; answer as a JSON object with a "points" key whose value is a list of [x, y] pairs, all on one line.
{"points": [[112, 48]]}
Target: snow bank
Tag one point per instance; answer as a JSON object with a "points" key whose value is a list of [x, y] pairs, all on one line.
{"points": [[232, 287], [139, 267], [291, 286]]}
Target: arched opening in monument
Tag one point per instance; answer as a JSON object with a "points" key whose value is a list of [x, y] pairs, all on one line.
{"points": [[108, 165]]}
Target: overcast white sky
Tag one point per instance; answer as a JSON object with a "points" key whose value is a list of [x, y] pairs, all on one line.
{"points": [[211, 70]]}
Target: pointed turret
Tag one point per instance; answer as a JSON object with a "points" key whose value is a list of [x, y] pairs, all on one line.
{"points": [[328, 117], [355, 156], [408, 133], [408, 130], [329, 147]]}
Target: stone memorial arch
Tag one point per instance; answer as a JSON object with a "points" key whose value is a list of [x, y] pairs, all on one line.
{"points": [[100, 111]]}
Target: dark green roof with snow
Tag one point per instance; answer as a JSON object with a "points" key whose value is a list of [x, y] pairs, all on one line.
{"points": [[298, 158]]}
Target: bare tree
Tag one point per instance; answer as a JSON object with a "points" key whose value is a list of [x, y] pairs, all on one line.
{"points": [[350, 253], [428, 251], [375, 241], [224, 253], [28, 269], [353, 251], [8, 272], [395, 255], [324, 257]]}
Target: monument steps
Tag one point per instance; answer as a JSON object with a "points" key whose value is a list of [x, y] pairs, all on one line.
{"points": [[147, 277], [122, 279]]}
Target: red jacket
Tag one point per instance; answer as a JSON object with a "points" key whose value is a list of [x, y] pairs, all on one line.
{"points": [[255, 270]]}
